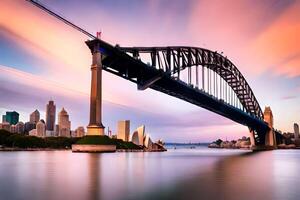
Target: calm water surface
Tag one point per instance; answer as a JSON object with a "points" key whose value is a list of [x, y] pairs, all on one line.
{"points": [[199, 173]]}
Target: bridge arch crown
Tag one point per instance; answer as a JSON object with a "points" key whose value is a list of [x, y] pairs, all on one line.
{"points": [[203, 69]]}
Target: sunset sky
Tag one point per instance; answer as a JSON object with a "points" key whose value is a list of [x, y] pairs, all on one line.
{"points": [[41, 59]]}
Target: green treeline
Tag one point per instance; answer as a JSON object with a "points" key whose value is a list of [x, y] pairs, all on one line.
{"points": [[8, 139], [17, 140]]}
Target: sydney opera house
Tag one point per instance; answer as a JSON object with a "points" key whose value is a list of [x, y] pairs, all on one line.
{"points": [[138, 137]]}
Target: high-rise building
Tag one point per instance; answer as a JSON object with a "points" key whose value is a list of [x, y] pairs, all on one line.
{"points": [[123, 130], [41, 129], [50, 115], [20, 127], [64, 123], [12, 117], [296, 131], [34, 117]]}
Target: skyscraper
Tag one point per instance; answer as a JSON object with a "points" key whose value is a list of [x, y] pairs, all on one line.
{"points": [[123, 130], [50, 115], [296, 131], [34, 117], [12, 117], [64, 123]]}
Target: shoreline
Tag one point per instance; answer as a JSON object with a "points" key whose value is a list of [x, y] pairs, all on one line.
{"points": [[249, 148], [8, 149]]}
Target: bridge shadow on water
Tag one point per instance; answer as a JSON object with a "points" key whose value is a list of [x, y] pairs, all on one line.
{"points": [[244, 176]]}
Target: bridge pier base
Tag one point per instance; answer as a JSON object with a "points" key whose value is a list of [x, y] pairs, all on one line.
{"points": [[270, 135], [95, 126], [252, 139], [267, 139]]}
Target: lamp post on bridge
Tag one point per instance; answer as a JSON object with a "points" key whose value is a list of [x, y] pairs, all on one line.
{"points": [[95, 126]]}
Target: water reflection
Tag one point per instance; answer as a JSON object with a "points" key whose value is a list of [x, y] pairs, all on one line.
{"points": [[180, 174]]}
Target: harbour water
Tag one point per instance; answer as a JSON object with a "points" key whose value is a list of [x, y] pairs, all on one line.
{"points": [[181, 173]]}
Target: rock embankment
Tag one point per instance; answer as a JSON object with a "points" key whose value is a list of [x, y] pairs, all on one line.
{"points": [[243, 143]]}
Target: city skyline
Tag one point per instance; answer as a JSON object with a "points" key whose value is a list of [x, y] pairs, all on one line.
{"points": [[198, 125]]}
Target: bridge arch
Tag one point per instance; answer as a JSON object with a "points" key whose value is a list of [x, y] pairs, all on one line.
{"points": [[174, 60]]}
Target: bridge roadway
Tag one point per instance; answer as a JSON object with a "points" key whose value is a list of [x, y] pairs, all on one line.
{"points": [[118, 62]]}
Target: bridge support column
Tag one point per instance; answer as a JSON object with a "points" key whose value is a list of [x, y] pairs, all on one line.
{"points": [[252, 138], [270, 135], [95, 126]]}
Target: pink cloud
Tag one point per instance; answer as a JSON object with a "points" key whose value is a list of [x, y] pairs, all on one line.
{"points": [[276, 47]]}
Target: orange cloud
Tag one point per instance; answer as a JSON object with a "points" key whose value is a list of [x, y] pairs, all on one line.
{"points": [[277, 48], [60, 46]]}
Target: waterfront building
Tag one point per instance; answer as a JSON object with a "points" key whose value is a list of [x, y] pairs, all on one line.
{"points": [[5, 126], [34, 117], [79, 132], [20, 127], [73, 133], [29, 126], [138, 136], [296, 131], [56, 130], [32, 132], [123, 130], [41, 129], [13, 129], [64, 123], [50, 133], [50, 115], [12, 117]]}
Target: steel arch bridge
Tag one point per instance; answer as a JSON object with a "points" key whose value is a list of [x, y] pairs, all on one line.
{"points": [[196, 75], [218, 86]]}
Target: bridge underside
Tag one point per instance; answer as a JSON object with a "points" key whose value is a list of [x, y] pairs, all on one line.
{"points": [[121, 64]]}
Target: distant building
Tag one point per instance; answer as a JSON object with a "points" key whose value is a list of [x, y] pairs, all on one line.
{"points": [[73, 133], [12, 117], [3, 118], [138, 136], [34, 117], [56, 130], [296, 131], [5, 126], [29, 126], [50, 116], [20, 127], [123, 130], [79, 132], [13, 129], [33, 132], [49, 133], [64, 123], [40, 129]]}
